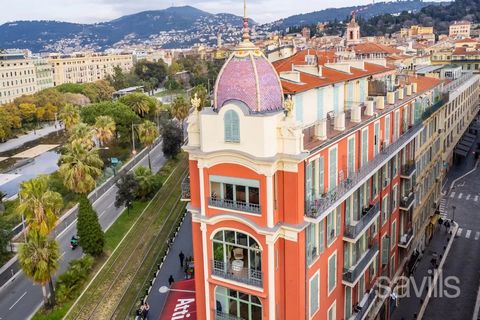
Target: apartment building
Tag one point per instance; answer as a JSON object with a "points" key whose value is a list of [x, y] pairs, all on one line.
{"points": [[82, 68], [17, 76], [460, 29], [310, 181], [44, 73]]}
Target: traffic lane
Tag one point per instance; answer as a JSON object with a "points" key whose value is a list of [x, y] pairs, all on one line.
{"points": [[462, 262]]}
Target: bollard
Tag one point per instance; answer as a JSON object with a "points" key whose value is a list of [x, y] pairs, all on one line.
{"points": [[146, 292], [158, 266]]}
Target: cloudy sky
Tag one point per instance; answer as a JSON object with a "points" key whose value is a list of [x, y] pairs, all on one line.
{"points": [[88, 11]]}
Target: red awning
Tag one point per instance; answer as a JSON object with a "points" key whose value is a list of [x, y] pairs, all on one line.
{"points": [[180, 304]]}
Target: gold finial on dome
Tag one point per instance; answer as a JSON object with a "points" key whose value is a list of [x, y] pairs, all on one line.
{"points": [[289, 105], [245, 43], [196, 101]]}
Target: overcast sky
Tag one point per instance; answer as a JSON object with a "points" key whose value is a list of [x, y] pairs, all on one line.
{"points": [[88, 11]]}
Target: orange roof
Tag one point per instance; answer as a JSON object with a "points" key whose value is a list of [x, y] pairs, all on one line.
{"points": [[329, 75], [466, 40], [465, 52], [372, 47], [424, 83]]}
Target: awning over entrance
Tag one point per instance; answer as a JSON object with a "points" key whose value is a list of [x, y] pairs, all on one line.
{"points": [[181, 303], [434, 218]]}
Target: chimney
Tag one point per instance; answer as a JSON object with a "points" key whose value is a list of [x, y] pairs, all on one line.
{"points": [[391, 97], [401, 92], [370, 108], [339, 121], [414, 87], [321, 129], [380, 102], [409, 89], [356, 113]]}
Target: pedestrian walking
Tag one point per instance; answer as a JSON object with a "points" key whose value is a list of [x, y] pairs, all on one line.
{"points": [[146, 308], [182, 257], [170, 280]]}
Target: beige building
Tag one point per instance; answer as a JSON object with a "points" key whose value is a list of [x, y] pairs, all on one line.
{"points": [[82, 68], [44, 74], [17, 77], [460, 29]]}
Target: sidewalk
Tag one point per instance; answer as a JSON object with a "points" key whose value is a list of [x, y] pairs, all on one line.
{"points": [[171, 266], [19, 141], [409, 307]]}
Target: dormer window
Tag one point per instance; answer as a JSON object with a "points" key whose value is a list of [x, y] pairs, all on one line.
{"points": [[232, 126]]}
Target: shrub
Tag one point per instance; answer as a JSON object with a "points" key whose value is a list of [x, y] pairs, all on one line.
{"points": [[89, 231], [69, 283]]}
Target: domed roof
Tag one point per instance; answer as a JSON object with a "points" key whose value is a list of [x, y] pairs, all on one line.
{"points": [[249, 77]]}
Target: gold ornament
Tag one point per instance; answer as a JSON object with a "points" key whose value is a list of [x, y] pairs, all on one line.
{"points": [[196, 102], [289, 104]]}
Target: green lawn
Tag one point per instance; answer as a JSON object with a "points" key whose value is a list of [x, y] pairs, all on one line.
{"points": [[126, 266], [171, 92]]}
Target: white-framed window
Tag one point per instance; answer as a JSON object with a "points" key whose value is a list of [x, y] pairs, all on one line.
{"points": [[385, 210], [393, 242], [332, 272], [386, 138], [333, 225], [232, 126], [392, 266], [364, 157], [394, 197], [385, 249], [332, 311], [237, 304], [314, 292], [348, 302], [332, 167], [351, 156], [376, 138]]}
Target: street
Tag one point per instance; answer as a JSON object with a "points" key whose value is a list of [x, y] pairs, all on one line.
{"points": [[21, 298]]}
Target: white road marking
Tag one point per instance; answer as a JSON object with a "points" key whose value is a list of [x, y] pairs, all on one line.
{"points": [[452, 194], [459, 232], [468, 234], [477, 235], [460, 195], [13, 305], [110, 205], [62, 254], [475, 199], [468, 196]]}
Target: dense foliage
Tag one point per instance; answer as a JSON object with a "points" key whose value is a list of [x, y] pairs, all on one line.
{"points": [[71, 281], [172, 139], [89, 231]]}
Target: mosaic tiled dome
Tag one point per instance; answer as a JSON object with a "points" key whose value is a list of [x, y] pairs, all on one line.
{"points": [[249, 77]]}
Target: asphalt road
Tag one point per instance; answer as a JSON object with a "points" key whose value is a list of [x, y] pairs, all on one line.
{"points": [[463, 260], [20, 299]]}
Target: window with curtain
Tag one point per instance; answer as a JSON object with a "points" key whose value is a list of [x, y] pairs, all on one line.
{"points": [[232, 126]]}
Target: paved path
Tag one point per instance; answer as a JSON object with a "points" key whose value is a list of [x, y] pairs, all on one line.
{"points": [[19, 141], [20, 299], [171, 266]]}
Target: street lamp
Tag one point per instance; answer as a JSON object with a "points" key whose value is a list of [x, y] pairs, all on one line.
{"points": [[165, 289], [453, 213], [134, 152]]}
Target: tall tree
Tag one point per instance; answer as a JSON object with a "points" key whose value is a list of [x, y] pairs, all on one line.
{"points": [[79, 167], [104, 129], [180, 109], [39, 205], [172, 139], [146, 182], [38, 259], [70, 116], [89, 231], [147, 133], [82, 133], [153, 72], [140, 103], [127, 189]]}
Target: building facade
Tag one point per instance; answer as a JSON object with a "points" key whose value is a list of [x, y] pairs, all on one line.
{"points": [[17, 76], [460, 29], [309, 183], [44, 74], [83, 68]]}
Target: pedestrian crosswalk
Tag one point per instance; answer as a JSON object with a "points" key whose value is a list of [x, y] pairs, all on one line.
{"points": [[443, 206], [461, 195], [468, 234]]}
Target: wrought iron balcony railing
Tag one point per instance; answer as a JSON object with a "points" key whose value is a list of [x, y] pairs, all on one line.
{"points": [[364, 306], [351, 275], [408, 170], [407, 201], [406, 239], [234, 205], [186, 189], [353, 231], [328, 201], [238, 273]]}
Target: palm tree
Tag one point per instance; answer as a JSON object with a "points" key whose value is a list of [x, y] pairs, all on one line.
{"points": [[79, 167], [180, 109], [148, 132], [39, 205], [104, 129], [140, 104], [70, 116], [145, 180], [83, 133], [38, 258]]}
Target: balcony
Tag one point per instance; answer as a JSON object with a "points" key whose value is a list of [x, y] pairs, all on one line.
{"points": [[353, 274], [406, 202], [357, 228], [234, 205], [406, 239], [225, 316], [364, 306], [441, 101], [185, 189], [408, 170], [330, 200], [232, 271]]}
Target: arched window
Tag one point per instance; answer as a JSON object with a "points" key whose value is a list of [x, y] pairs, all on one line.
{"points": [[237, 256], [232, 126], [232, 304]]}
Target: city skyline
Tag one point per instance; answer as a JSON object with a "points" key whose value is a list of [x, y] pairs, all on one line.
{"points": [[95, 11]]}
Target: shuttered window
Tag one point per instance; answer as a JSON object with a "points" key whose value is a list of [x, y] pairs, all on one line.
{"points": [[232, 126], [351, 156], [332, 272], [332, 175], [314, 294], [364, 146]]}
